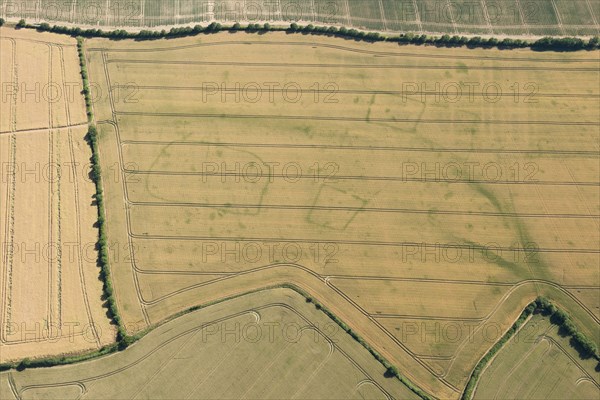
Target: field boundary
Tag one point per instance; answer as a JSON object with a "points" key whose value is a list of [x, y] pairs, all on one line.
{"points": [[542, 305], [123, 340], [391, 370], [545, 43]]}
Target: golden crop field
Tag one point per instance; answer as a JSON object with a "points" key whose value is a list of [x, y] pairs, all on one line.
{"points": [[539, 363], [50, 301], [266, 345], [424, 195]]}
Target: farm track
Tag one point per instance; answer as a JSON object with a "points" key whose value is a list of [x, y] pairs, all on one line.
{"points": [[558, 18], [523, 23], [131, 172], [10, 206], [76, 202], [486, 16], [35, 130], [357, 92], [592, 153], [362, 209], [356, 119], [591, 10], [361, 242], [353, 66], [124, 186], [348, 49], [51, 195]]}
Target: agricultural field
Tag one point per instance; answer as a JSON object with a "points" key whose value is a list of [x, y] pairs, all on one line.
{"points": [[265, 345], [486, 17], [50, 300], [538, 363], [424, 195]]}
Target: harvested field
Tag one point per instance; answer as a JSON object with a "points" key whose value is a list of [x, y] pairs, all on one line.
{"points": [[490, 17], [539, 363], [424, 219], [270, 344], [51, 295]]}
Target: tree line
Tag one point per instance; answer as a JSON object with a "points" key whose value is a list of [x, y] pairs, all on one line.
{"points": [[543, 44], [123, 340], [586, 347]]}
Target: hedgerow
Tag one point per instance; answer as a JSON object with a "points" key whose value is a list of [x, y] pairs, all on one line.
{"points": [[391, 370], [584, 345], [544, 44], [103, 260]]}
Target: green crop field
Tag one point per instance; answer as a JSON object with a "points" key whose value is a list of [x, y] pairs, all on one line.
{"points": [[491, 17], [538, 363], [266, 345]]}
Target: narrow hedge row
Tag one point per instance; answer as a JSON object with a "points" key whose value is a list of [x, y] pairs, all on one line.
{"points": [[62, 360], [586, 347], [492, 352], [50, 362], [392, 370], [544, 44], [123, 340]]}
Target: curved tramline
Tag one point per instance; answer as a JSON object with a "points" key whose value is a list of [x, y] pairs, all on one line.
{"points": [[50, 291], [410, 211], [196, 235], [321, 353]]}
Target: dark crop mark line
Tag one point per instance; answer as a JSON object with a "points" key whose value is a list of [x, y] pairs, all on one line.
{"points": [[327, 178], [360, 209], [332, 118], [350, 91], [369, 148], [353, 66], [363, 243]]}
